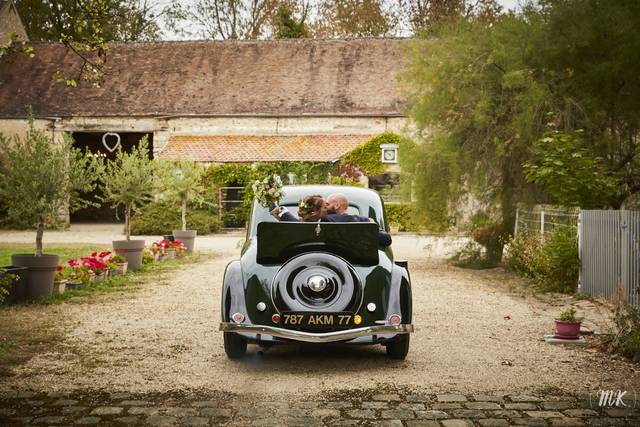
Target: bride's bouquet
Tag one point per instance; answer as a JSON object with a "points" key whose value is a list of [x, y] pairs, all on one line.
{"points": [[268, 192]]}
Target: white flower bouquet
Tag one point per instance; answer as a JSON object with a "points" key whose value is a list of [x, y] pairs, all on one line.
{"points": [[268, 192]]}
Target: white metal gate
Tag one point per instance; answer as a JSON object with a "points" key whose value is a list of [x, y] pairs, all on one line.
{"points": [[610, 253]]}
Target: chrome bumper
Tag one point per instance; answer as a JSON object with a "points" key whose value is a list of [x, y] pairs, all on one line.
{"points": [[345, 335]]}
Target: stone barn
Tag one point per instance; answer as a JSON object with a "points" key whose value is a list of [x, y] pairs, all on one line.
{"points": [[214, 101]]}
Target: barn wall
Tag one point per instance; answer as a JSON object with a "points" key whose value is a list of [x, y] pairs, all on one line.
{"points": [[163, 128]]}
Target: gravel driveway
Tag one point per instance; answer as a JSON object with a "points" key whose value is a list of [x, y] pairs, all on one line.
{"points": [[473, 334]]}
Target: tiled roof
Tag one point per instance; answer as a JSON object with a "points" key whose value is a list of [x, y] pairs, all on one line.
{"points": [[267, 148], [356, 77]]}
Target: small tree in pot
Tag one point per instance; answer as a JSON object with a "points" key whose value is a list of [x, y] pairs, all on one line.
{"points": [[184, 184], [41, 179], [128, 181]]}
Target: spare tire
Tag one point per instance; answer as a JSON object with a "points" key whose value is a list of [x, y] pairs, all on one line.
{"points": [[341, 289]]}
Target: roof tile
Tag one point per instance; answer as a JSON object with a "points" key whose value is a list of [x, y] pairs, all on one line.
{"points": [[260, 148]]}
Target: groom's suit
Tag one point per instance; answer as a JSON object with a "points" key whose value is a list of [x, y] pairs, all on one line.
{"points": [[384, 238]]}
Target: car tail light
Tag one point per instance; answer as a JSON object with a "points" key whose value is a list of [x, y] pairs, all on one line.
{"points": [[238, 317], [275, 318], [395, 319]]}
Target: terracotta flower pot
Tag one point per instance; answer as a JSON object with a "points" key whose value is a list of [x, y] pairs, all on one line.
{"points": [[567, 330], [187, 237], [131, 250], [41, 272]]}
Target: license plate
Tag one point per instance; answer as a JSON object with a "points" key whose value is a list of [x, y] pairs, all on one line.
{"points": [[293, 319]]}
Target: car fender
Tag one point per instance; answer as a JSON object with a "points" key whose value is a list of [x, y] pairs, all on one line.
{"points": [[232, 291], [400, 294]]}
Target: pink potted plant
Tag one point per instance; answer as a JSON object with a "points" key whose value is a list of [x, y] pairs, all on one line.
{"points": [[568, 325]]}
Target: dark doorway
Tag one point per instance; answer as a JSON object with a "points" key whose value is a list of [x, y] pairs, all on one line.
{"points": [[93, 142]]}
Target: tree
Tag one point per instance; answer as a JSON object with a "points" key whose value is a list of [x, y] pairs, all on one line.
{"points": [[85, 27], [222, 19], [491, 92], [183, 181], [471, 86], [42, 178], [129, 180], [286, 26], [570, 172], [587, 55], [115, 20], [419, 15], [354, 18]]}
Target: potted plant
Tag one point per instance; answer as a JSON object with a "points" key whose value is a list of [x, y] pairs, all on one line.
{"points": [[42, 179], [13, 280], [60, 280], [568, 325], [183, 182], [128, 181], [119, 265], [77, 274]]}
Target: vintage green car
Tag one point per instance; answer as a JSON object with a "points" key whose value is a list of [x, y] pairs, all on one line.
{"points": [[317, 282]]}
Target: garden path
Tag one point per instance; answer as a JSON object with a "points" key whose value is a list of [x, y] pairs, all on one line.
{"points": [[475, 333]]}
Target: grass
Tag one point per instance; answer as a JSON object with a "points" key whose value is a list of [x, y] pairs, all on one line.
{"points": [[24, 333], [126, 281], [65, 252]]}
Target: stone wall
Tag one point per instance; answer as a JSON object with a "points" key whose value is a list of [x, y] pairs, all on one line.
{"points": [[164, 128]]}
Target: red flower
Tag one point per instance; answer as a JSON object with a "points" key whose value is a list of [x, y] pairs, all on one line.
{"points": [[93, 254], [59, 268], [104, 254]]}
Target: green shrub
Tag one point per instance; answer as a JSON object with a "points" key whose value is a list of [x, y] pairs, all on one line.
{"points": [[630, 345], [470, 256], [402, 215], [552, 262], [236, 217], [162, 218]]}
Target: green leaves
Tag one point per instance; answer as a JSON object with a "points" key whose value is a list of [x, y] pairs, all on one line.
{"points": [[43, 178], [570, 172], [130, 179]]}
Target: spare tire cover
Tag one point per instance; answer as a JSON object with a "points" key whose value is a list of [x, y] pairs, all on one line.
{"points": [[291, 290]]}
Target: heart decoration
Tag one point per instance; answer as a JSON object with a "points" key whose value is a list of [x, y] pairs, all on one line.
{"points": [[106, 144]]}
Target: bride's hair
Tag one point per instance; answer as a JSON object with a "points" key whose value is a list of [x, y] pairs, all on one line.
{"points": [[310, 207]]}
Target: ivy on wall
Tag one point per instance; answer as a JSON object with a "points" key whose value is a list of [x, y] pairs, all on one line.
{"points": [[367, 157]]}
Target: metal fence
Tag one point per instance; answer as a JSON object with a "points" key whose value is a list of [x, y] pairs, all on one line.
{"points": [[610, 254], [544, 219]]}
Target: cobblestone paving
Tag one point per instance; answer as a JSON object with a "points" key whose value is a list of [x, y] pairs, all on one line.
{"points": [[352, 408]]}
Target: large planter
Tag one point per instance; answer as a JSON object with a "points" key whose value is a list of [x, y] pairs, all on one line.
{"points": [[17, 291], [41, 272], [188, 238], [567, 330], [131, 250]]}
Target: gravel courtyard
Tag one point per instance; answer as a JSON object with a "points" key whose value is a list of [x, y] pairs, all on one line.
{"points": [[476, 333]]}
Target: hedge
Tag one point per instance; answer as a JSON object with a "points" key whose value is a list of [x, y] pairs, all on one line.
{"points": [[158, 218]]}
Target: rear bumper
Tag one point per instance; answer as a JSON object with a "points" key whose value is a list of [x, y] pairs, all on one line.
{"points": [[324, 337]]}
